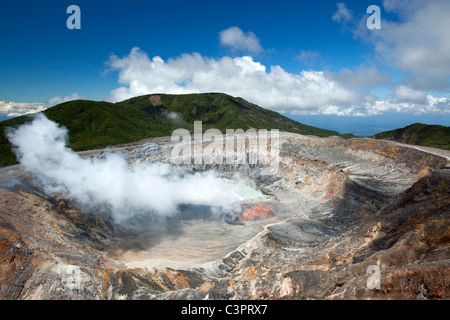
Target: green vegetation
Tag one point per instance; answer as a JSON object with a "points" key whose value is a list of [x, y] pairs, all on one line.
{"points": [[420, 134], [94, 124]]}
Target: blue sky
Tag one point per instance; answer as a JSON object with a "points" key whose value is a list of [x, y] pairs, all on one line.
{"points": [[314, 61]]}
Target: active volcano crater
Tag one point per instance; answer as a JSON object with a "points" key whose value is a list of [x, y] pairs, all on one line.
{"points": [[334, 208]]}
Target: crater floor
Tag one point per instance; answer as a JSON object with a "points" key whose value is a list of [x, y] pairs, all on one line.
{"points": [[333, 209]]}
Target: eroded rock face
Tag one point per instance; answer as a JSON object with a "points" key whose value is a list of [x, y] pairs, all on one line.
{"points": [[334, 210]]}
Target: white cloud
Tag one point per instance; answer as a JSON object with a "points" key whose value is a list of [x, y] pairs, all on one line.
{"points": [[14, 109], [421, 43], [436, 105], [361, 77], [404, 8], [240, 76], [418, 42], [237, 40], [308, 57], [430, 105], [309, 92], [57, 100], [405, 93], [343, 14]]}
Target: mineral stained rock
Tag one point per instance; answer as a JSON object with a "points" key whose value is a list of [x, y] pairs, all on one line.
{"points": [[341, 219]]}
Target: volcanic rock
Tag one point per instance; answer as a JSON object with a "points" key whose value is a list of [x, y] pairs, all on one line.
{"points": [[338, 208]]}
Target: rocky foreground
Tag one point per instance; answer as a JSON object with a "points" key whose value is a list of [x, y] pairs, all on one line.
{"points": [[339, 209]]}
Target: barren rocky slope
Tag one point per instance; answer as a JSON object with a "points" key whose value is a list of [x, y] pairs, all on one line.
{"points": [[334, 208]]}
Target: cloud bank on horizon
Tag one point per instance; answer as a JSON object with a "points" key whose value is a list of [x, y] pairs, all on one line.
{"points": [[14, 109]]}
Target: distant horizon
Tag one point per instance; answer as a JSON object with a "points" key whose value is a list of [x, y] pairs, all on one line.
{"points": [[368, 126]]}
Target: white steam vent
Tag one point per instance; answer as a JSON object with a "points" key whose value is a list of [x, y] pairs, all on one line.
{"points": [[159, 188]]}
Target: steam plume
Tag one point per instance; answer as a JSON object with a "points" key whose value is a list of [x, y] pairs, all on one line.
{"points": [[159, 188]]}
